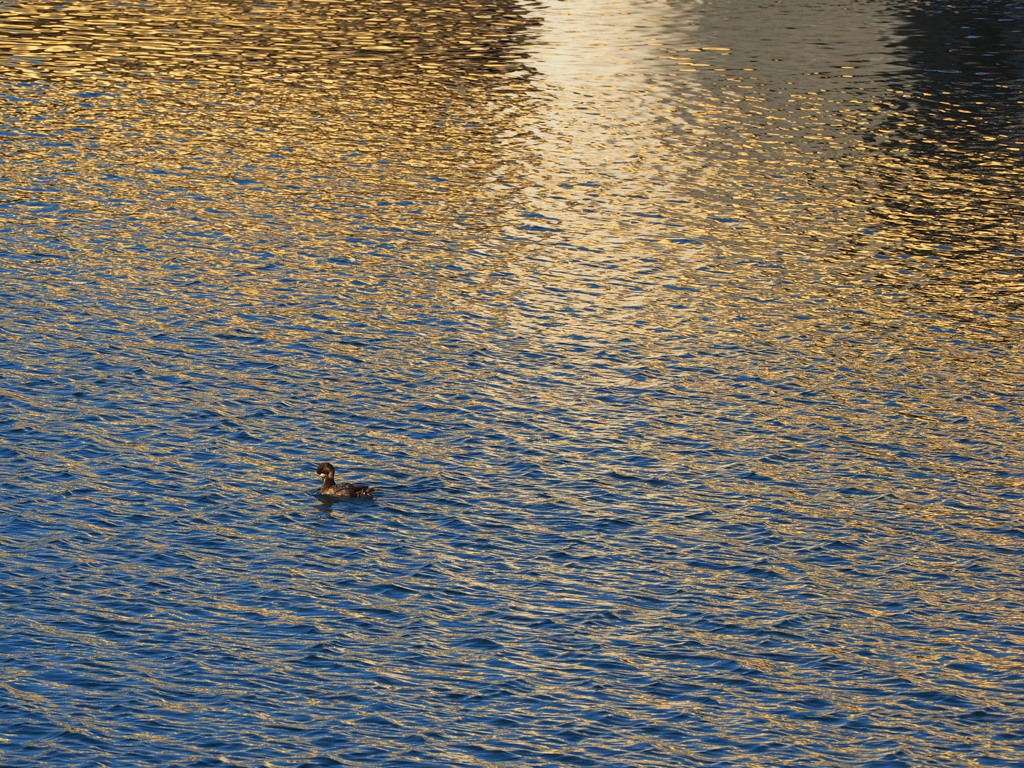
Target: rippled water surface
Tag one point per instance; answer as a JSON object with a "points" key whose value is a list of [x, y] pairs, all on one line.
{"points": [[682, 338]]}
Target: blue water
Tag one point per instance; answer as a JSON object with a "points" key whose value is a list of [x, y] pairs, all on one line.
{"points": [[682, 340]]}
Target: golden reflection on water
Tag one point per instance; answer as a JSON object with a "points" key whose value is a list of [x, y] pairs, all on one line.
{"points": [[588, 175], [581, 173], [268, 42], [595, 146], [393, 91], [217, 141]]}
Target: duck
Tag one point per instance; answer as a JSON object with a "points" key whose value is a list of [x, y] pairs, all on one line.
{"points": [[341, 490]]}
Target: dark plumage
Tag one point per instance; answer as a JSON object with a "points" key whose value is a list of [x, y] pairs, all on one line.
{"points": [[341, 490]]}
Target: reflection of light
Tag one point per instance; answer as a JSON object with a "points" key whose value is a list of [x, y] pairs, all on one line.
{"points": [[600, 62], [594, 212], [192, 134]]}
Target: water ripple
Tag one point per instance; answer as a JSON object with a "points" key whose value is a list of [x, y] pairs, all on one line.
{"points": [[680, 339]]}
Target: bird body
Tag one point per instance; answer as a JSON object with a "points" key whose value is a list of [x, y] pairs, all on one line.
{"points": [[341, 490]]}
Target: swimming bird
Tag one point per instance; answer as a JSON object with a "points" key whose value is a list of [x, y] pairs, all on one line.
{"points": [[341, 490]]}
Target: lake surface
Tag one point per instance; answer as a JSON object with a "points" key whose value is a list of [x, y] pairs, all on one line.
{"points": [[682, 338]]}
